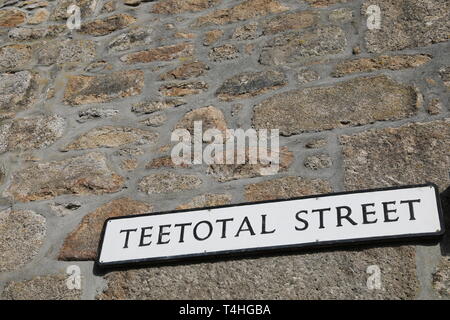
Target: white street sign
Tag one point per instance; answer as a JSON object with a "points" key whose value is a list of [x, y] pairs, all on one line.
{"points": [[355, 217]]}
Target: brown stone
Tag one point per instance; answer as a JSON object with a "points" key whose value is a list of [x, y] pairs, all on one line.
{"points": [[381, 62], [290, 21], [155, 120], [246, 32], [30, 133], [12, 17], [52, 287], [136, 36], [150, 106], [326, 3], [60, 11], [185, 71], [163, 162], [14, 57], [40, 16], [212, 37], [228, 172], [412, 154], [129, 164], [168, 182], [35, 33], [101, 27], [165, 53], [206, 200], [65, 51], [245, 10], [250, 84], [180, 6], [211, 118], [112, 137], [408, 24], [286, 187], [80, 175], [351, 103], [82, 243], [317, 162], [103, 88], [22, 234], [224, 52], [183, 89]]}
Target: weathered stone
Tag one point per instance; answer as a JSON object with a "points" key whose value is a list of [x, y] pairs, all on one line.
{"points": [[379, 63], [101, 27], [81, 175], [229, 172], [305, 75], [342, 15], [164, 162], [250, 84], [180, 6], [317, 162], [30, 4], [184, 35], [109, 6], [168, 182], [286, 187], [14, 57], [65, 51], [290, 21], [206, 200], [133, 3], [211, 118], [281, 277], [245, 10], [35, 33], [183, 89], [224, 52], [129, 164], [325, 3], [246, 32], [351, 103], [155, 120], [18, 91], [52, 287], [185, 71], [22, 234], [112, 137], [408, 24], [411, 154], [441, 278], [30, 133], [12, 17], [165, 53], [98, 66], [96, 113], [60, 11], [137, 36], [301, 46], [151, 106], [434, 107], [65, 208], [316, 143], [40, 16], [444, 73], [103, 88], [212, 37], [82, 243]]}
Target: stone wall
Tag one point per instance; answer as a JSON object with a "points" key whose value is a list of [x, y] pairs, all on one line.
{"points": [[86, 118]]}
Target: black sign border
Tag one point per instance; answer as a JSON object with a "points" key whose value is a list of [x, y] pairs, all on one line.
{"points": [[282, 248]]}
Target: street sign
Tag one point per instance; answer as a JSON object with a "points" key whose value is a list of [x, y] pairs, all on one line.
{"points": [[409, 212]]}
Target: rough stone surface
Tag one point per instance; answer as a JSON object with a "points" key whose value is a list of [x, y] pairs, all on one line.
{"points": [[101, 27], [168, 182], [151, 106], [82, 243], [250, 84], [52, 287], [137, 36], [380, 62], [67, 51], [411, 154], [183, 89], [164, 53], [285, 187], [30, 133], [81, 175], [180, 6], [14, 57], [40, 16], [445, 76], [212, 36], [96, 113], [12, 17], [317, 162], [103, 88], [206, 200], [59, 13], [246, 32], [290, 21], [301, 46], [211, 118], [112, 137], [155, 120], [35, 33], [18, 91], [325, 3], [441, 278], [351, 103], [185, 71], [163, 162], [408, 24], [224, 52], [22, 234], [341, 15]]}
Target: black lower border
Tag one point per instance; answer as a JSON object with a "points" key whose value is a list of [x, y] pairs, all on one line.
{"points": [[274, 249]]}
